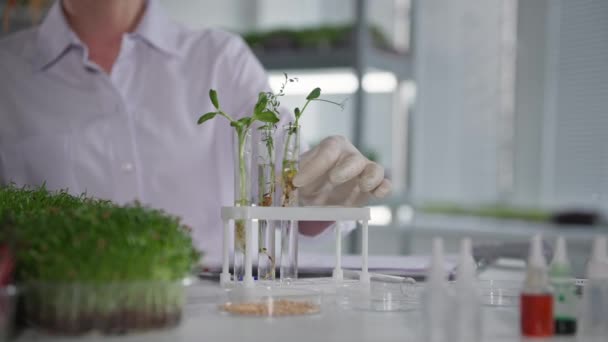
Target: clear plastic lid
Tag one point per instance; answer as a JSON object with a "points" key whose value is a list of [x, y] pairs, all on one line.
{"points": [[501, 293], [72, 309], [379, 296]]}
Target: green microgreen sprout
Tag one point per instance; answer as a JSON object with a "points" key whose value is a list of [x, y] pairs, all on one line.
{"points": [[242, 127], [78, 256], [273, 105], [290, 157]]}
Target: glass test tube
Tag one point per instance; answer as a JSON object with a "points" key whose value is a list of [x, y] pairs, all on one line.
{"points": [[289, 198], [242, 197], [266, 191]]}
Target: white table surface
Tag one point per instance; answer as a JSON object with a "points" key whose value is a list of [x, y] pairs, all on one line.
{"points": [[203, 322]]}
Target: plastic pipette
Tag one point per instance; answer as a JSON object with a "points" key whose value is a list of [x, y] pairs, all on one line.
{"points": [[593, 322], [597, 268], [466, 325], [436, 298]]}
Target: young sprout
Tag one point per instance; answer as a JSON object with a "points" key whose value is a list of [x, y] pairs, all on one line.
{"points": [[242, 127], [289, 170], [273, 105], [83, 260]]}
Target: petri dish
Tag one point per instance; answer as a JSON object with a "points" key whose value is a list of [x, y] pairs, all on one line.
{"points": [[500, 293], [270, 301], [494, 293], [378, 296]]}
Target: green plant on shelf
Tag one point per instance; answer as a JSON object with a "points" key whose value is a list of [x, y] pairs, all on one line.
{"points": [[320, 38], [498, 211]]}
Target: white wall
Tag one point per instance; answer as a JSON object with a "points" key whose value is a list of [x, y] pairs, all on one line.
{"points": [[575, 163], [458, 120]]}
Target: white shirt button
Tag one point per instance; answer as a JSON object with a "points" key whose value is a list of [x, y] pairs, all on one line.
{"points": [[127, 167]]}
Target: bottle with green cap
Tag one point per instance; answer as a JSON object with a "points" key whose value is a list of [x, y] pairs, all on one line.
{"points": [[564, 290]]}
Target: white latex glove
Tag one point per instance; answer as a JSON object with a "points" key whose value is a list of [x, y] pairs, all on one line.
{"points": [[336, 173]]}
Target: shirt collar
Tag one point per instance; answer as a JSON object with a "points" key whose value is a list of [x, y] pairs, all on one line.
{"points": [[55, 37], [158, 30]]}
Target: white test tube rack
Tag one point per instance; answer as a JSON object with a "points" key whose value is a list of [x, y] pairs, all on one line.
{"points": [[335, 214]]}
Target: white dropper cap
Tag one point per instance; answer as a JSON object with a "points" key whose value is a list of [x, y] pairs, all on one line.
{"points": [[536, 259], [598, 252], [597, 268], [560, 256], [466, 263], [436, 272], [536, 274]]}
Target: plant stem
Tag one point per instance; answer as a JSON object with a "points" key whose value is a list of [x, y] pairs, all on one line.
{"points": [[220, 112], [242, 168], [272, 170], [242, 200]]}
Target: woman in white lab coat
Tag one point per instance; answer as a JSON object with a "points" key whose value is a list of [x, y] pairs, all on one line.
{"points": [[103, 96]]}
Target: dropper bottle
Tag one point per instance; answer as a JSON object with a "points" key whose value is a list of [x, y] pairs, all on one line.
{"points": [[436, 297], [599, 257], [564, 298], [467, 322], [536, 302], [594, 310]]}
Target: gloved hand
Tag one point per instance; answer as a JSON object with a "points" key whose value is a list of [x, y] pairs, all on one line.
{"points": [[336, 173]]}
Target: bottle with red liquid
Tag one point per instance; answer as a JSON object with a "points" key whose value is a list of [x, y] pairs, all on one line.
{"points": [[536, 302]]}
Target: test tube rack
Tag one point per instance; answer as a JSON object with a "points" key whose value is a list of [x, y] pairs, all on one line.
{"points": [[335, 214]]}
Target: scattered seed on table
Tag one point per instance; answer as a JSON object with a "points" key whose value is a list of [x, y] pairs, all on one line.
{"points": [[273, 308]]}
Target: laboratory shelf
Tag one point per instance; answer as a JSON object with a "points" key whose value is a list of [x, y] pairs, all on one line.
{"points": [[398, 64], [433, 224]]}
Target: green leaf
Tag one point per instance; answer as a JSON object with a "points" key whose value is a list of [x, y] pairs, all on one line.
{"points": [[297, 112], [246, 121], [213, 97], [315, 93], [266, 116], [261, 104], [205, 117], [242, 123]]}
